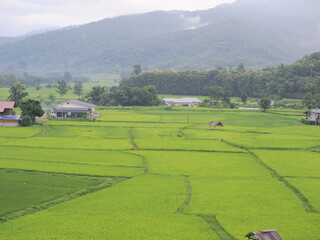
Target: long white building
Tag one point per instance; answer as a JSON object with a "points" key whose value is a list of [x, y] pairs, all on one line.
{"points": [[178, 102]]}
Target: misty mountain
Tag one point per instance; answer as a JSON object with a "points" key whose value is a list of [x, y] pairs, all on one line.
{"points": [[6, 40], [258, 33]]}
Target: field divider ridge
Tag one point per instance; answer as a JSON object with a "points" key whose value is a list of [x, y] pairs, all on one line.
{"points": [[71, 163], [181, 209], [65, 198], [215, 225], [305, 202], [144, 162], [29, 171]]}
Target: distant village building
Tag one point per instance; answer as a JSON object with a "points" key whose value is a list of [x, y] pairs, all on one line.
{"points": [[7, 117], [73, 108], [314, 115], [179, 102]]}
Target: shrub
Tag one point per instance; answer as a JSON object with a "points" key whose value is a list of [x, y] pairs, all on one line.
{"points": [[26, 121]]}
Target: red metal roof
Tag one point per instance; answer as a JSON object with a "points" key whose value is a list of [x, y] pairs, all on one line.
{"points": [[6, 105]]}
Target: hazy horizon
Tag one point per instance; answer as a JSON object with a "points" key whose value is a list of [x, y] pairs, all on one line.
{"points": [[20, 17]]}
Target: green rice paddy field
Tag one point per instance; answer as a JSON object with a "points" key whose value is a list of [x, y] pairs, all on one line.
{"points": [[150, 174]]}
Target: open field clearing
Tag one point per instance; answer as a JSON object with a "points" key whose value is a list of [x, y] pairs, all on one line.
{"points": [[186, 144], [292, 163], [309, 187], [235, 201], [202, 164], [147, 173], [87, 132], [92, 157], [19, 132], [22, 190], [70, 143], [129, 210]]}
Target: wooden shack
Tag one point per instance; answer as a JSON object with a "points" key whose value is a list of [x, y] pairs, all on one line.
{"points": [[215, 124]]}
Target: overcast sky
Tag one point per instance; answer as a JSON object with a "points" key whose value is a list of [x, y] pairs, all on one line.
{"points": [[22, 16]]}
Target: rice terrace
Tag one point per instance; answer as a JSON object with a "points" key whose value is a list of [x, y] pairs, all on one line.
{"points": [[148, 173]]}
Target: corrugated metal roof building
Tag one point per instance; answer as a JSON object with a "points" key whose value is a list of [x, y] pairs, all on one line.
{"points": [[178, 102], [9, 121], [6, 108]]}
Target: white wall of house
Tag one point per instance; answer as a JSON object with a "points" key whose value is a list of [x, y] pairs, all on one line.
{"points": [[176, 102], [314, 115]]}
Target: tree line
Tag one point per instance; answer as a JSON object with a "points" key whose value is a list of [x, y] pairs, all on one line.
{"points": [[284, 81], [124, 96]]}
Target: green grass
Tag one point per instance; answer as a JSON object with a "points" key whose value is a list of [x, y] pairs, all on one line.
{"points": [[88, 132], [292, 163], [22, 190], [141, 208], [70, 143], [19, 132], [202, 164], [242, 204], [183, 179], [310, 188]]}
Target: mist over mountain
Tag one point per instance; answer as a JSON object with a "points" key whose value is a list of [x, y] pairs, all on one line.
{"points": [[258, 33]]}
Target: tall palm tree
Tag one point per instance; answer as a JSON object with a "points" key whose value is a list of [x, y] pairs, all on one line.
{"points": [[17, 93]]}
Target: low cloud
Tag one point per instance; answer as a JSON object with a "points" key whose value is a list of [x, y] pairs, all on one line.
{"points": [[192, 22]]}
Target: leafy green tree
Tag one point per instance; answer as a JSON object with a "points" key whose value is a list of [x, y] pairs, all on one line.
{"points": [[265, 103], [52, 98], [226, 98], [317, 100], [136, 69], [17, 93], [215, 93], [244, 98], [308, 101], [26, 121], [78, 88], [241, 68], [96, 93], [62, 87], [67, 76], [31, 108]]}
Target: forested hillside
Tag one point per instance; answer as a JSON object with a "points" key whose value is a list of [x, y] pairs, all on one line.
{"points": [[292, 81], [258, 33]]}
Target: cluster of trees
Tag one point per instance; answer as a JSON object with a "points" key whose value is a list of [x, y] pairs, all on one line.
{"points": [[124, 96], [311, 101], [284, 81], [216, 94], [30, 109], [17, 91]]}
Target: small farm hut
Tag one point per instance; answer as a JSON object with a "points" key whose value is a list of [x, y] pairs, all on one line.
{"points": [[215, 124], [264, 235]]}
